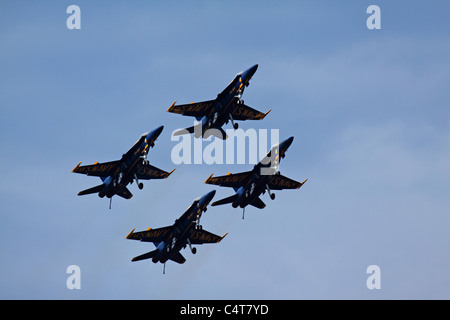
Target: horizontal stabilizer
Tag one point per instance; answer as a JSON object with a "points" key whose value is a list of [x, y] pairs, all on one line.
{"points": [[184, 131], [224, 201], [95, 189], [125, 193], [144, 256], [258, 203], [178, 258], [216, 132]]}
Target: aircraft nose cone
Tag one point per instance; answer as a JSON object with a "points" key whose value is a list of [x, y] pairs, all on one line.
{"points": [[155, 133], [253, 69], [159, 130], [288, 141], [206, 199], [285, 144], [248, 74]]}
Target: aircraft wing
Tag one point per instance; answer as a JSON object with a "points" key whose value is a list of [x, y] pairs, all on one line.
{"points": [[244, 112], [151, 235], [230, 180], [147, 172], [201, 236], [193, 109], [97, 169], [280, 182]]}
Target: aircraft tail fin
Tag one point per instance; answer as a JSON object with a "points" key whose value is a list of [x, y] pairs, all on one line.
{"points": [[95, 189], [144, 256], [224, 201], [258, 203]]}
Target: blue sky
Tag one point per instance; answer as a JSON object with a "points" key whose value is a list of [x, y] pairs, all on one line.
{"points": [[368, 110]]}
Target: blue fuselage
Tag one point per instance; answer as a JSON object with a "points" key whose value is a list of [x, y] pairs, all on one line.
{"points": [[261, 175], [226, 100], [124, 173], [182, 230]]}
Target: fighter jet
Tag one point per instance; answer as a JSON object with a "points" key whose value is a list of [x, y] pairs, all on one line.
{"points": [[116, 175], [186, 231], [213, 114], [264, 177]]}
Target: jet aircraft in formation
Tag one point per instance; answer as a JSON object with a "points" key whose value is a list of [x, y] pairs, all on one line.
{"points": [[185, 231], [248, 186], [264, 177], [116, 175], [213, 114]]}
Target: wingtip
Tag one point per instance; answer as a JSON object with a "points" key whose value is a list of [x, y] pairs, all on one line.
{"points": [[206, 181], [262, 115], [73, 170], [168, 110], [302, 183], [223, 237], [170, 172], [128, 236]]}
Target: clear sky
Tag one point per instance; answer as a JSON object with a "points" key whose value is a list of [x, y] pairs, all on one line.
{"points": [[369, 110]]}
